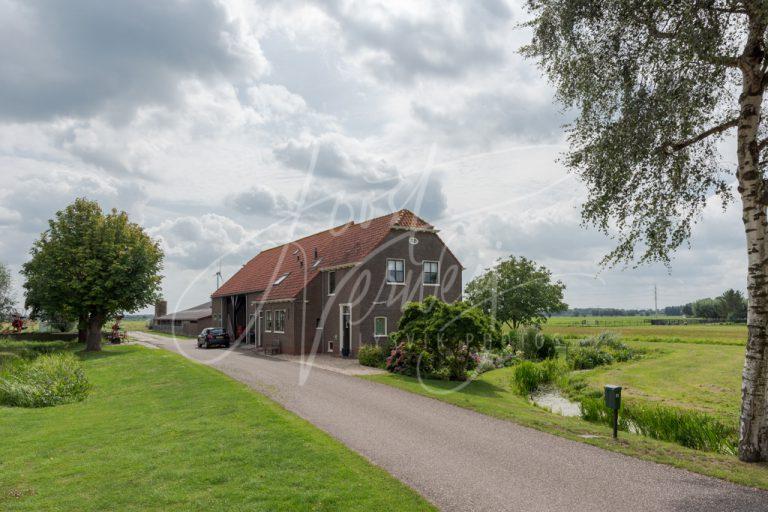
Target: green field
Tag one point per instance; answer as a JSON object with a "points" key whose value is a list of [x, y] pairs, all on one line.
{"points": [[155, 434], [730, 334], [695, 376]]}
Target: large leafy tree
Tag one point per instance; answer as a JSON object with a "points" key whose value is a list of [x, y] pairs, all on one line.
{"points": [[90, 265], [517, 291], [656, 85]]}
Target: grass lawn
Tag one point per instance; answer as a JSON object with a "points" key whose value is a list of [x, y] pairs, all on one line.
{"points": [[159, 432], [694, 376], [705, 377]]}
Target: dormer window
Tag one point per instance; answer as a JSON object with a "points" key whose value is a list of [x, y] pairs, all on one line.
{"points": [[281, 278]]}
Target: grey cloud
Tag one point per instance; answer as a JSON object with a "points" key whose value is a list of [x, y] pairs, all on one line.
{"points": [[83, 57], [259, 200], [339, 159], [434, 45], [196, 242], [491, 116]]}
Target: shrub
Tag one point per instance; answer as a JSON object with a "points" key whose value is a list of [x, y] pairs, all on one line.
{"points": [[488, 360], [51, 379], [408, 358], [605, 348], [371, 355], [442, 336], [586, 358], [529, 377], [535, 345]]}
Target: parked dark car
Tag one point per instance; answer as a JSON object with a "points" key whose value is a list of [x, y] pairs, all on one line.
{"points": [[213, 337]]}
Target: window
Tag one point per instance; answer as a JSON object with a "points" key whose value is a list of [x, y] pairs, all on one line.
{"points": [[430, 269], [331, 283], [280, 320], [395, 271], [281, 278], [380, 326], [268, 327]]}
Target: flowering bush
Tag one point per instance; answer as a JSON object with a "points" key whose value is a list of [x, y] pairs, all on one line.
{"points": [[443, 335], [407, 358]]}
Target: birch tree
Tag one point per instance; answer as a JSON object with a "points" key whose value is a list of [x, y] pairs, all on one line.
{"points": [[658, 87]]}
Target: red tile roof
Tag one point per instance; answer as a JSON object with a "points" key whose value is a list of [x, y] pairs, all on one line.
{"points": [[342, 245]]}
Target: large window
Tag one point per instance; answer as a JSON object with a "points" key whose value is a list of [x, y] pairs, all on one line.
{"points": [[331, 282], [430, 272], [280, 320], [268, 327], [395, 271], [380, 326]]}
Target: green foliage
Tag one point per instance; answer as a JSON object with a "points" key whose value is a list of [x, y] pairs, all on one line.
{"points": [[443, 335], [730, 306], [91, 265], [693, 429], [487, 360], [517, 291], [534, 344], [649, 82], [371, 355], [529, 377], [600, 350], [51, 379]]}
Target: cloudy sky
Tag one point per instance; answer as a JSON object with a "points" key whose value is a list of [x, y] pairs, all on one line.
{"points": [[224, 127]]}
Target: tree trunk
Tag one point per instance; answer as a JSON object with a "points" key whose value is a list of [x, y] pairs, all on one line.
{"points": [[753, 428], [95, 323], [82, 329]]}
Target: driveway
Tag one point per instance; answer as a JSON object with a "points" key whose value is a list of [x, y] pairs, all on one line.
{"points": [[462, 460]]}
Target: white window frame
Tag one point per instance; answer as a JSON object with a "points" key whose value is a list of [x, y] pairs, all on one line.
{"points": [[277, 314], [268, 324], [331, 273], [424, 273], [387, 272], [374, 327]]}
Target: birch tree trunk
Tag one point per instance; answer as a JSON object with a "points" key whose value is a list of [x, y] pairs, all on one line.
{"points": [[753, 432]]}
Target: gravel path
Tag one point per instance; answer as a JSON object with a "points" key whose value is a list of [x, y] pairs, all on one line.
{"points": [[462, 460]]}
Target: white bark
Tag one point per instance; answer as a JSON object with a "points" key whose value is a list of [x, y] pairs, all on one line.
{"points": [[753, 431]]}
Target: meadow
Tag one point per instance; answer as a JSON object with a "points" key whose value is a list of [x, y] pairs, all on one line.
{"points": [[640, 329], [154, 434]]}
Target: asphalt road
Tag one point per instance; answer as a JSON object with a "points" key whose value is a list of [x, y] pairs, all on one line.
{"points": [[462, 460]]}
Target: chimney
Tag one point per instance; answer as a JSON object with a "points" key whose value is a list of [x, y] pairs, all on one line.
{"points": [[161, 308]]}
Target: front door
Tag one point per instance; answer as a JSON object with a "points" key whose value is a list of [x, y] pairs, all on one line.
{"points": [[259, 323], [345, 336]]}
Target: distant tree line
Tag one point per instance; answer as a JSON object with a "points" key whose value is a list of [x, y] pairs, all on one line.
{"points": [[605, 312], [731, 306]]}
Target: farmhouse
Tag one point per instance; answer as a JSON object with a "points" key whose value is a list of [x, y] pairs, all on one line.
{"points": [[338, 289], [188, 322]]}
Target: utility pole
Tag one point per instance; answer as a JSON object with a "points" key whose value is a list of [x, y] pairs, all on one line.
{"points": [[655, 300]]}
